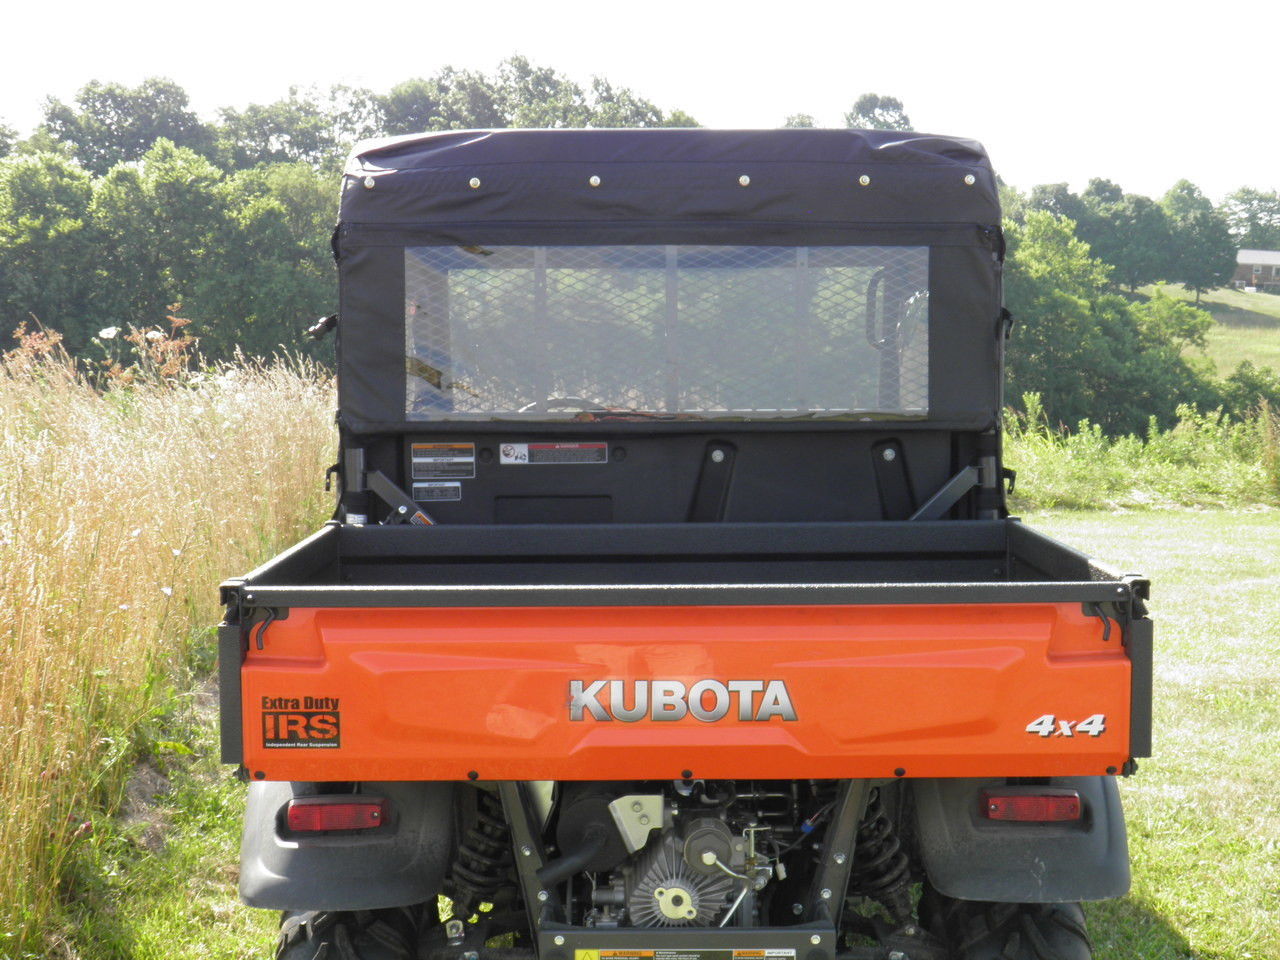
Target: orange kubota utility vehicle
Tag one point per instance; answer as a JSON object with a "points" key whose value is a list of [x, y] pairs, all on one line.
{"points": [[671, 609]]}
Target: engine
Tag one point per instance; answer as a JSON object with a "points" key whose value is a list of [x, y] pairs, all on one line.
{"points": [[682, 854]]}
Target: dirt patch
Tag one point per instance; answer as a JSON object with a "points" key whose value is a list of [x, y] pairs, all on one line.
{"points": [[143, 815]]}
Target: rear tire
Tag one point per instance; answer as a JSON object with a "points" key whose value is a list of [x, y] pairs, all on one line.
{"points": [[390, 934], [1007, 931]]}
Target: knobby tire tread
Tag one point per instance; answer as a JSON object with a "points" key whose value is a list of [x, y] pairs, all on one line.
{"points": [[355, 935], [1009, 931]]}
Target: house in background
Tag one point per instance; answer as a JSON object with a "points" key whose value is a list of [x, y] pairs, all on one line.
{"points": [[1257, 270]]}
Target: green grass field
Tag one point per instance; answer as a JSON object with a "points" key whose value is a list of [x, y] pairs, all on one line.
{"points": [[159, 880], [1229, 345], [1203, 818], [1203, 814], [1247, 326]]}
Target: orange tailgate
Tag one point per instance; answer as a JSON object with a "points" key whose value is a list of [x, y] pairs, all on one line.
{"points": [[769, 692]]}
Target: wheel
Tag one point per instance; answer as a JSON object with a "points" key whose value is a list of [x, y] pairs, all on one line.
{"points": [[1006, 931], [349, 935]]}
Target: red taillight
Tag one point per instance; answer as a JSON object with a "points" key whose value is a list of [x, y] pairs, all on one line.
{"points": [[342, 812], [1031, 807]]}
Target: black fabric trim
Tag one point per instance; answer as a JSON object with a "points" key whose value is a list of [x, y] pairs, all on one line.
{"points": [[544, 175], [658, 232]]}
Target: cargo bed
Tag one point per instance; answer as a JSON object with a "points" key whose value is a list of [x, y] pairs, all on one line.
{"points": [[537, 652]]}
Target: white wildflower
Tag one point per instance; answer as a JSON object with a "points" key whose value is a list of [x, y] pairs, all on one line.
{"points": [[109, 333], [154, 335], [167, 591], [175, 551]]}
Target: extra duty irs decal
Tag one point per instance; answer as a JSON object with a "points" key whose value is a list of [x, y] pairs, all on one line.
{"points": [[706, 700], [301, 722]]}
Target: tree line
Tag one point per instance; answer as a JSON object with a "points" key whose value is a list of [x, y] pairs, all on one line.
{"points": [[1125, 363], [124, 203], [1090, 352], [1182, 237]]}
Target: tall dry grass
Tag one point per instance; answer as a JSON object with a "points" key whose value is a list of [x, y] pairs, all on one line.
{"points": [[121, 508]]}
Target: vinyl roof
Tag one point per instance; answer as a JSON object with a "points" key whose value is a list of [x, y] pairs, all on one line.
{"points": [[673, 175]]}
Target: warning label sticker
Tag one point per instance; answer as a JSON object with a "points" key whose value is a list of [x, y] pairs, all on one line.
{"points": [[437, 490], [443, 461], [684, 954], [533, 453]]}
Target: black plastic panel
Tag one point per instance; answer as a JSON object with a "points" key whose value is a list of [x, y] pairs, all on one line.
{"points": [[1139, 643], [733, 476], [399, 865], [970, 858]]}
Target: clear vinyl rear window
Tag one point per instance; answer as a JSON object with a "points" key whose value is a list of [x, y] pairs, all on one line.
{"points": [[697, 332]]}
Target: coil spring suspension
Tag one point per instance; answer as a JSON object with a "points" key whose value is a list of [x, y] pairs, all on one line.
{"points": [[484, 855], [880, 868]]}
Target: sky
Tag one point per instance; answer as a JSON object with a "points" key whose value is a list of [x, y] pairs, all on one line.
{"points": [[1140, 93]]}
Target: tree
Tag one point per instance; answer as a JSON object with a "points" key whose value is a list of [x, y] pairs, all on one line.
{"points": [[1057, 198], [41, 141], [1248, 387], [452, 100], [270, 271], [800, 120], [157, 221], [353, 114], [46, 254], [1013, 202], [111, 123], [1129, 231], [1058, 350], [874, 112], [312, 126], [307, 197], [620, 107], [8, 139], [1169, 321], [678, 118], [1183, 199], [1089, 353], [1204, 253], [1253, 217], [532, 96], [1100, 191], [522, 95]]}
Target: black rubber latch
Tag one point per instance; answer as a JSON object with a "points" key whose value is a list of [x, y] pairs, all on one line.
{"points": [[889, 465], [711, 495]]}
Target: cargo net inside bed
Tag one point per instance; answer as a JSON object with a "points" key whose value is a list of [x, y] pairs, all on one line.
{"points": [[697, 332]]}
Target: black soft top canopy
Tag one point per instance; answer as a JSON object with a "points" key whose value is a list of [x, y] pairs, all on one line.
{"points": [[829, 276], [558, 176]]}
